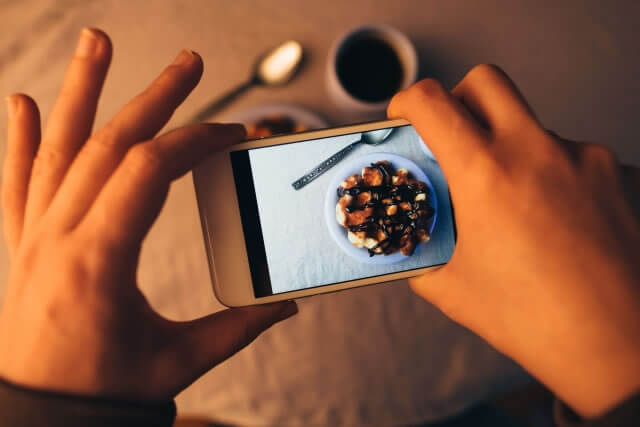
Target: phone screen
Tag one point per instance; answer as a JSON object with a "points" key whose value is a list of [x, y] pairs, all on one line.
{"points": [[383, 208]]}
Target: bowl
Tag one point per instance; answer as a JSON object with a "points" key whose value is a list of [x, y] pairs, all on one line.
{"points": [[352, 166]]}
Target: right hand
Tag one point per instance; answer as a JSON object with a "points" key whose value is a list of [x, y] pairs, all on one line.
{"points": [[545, 267]]}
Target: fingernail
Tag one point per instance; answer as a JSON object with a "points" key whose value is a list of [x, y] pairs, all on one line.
{"points": [[12, 106], [87, 44], [184, 57], [289, 310]]}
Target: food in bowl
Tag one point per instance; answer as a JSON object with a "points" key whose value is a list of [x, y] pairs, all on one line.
{"points": [[276, 124], [384, 210]]}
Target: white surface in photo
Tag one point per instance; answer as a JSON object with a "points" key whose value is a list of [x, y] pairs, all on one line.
{"points": [[300, 250]]}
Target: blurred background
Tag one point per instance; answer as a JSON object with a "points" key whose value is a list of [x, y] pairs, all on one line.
{"points": [[377, 355]]}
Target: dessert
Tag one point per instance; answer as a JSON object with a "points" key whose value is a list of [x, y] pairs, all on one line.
{"points": [[384, 210], [274, 125]]}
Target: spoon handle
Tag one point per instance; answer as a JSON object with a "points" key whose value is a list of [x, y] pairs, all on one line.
{"points": [[217, 104], [325, 166]]}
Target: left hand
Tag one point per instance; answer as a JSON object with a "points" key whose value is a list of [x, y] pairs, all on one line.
{"points": [[77, 207]]}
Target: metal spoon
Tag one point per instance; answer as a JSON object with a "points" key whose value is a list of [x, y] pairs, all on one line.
{"points": [[274, 68], [373, 137]]}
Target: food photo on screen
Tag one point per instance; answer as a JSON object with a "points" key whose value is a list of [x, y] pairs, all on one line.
{"points": [[385, 210], [347, 207]]}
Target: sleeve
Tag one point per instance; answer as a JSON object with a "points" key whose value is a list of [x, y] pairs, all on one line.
{"points": [[26, 407], [627, 414]]}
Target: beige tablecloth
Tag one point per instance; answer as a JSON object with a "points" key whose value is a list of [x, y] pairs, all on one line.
{"points": [[377, 355]]}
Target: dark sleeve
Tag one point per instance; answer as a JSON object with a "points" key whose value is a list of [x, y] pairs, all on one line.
{"points": [[627, 414], [25, 407]]}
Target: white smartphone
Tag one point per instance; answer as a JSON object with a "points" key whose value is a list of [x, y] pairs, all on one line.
{"points": [[290, 216]]}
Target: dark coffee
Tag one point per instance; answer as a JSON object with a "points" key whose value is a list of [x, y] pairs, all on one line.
{"points": [[369, 69]]}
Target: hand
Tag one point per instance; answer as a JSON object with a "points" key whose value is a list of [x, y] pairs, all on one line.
{"points": [[545, 267], [77, 207]]}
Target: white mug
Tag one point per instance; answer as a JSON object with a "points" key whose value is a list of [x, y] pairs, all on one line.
{"points": [[403, 48]]}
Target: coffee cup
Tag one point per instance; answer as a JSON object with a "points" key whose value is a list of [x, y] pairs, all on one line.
{"points": [[368, 65]]}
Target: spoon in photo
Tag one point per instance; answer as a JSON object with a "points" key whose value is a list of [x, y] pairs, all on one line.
{"points": [[275, 68], [374, 137]]}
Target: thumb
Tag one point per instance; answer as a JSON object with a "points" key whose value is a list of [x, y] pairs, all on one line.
{"points": [[443, 289], [208, 341]]}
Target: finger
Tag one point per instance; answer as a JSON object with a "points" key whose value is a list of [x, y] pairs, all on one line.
{"points": [[579, 151], [139, 120], [448, 290], [493, 98], [597, 153], [23, 137], [150, 110], [70, 121], [435, 286], [133, 196], [443, 123], [206, 342]]}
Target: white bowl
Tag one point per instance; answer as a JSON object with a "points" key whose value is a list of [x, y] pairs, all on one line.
{"points": [[354, 166]]}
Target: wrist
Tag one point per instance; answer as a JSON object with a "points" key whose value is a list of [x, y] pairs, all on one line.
{"points": [[592, 375]]}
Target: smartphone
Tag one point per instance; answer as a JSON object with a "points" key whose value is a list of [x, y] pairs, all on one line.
{"points": [[291, 216]]}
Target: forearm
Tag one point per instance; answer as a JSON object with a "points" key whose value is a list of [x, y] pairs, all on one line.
{"points": [[27, 407]]}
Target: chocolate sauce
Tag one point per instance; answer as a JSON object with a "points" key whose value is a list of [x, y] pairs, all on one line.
{"points": [[395, 226]]}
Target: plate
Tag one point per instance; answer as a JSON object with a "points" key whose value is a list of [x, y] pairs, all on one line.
{"points": [[354, 166], [300, 114]]}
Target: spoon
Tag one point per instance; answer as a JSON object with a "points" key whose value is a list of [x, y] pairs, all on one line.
{"points": [[373, 137], [274, 68]]}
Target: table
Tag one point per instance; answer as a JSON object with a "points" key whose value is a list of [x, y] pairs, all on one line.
{"points": [[373, 355]]}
